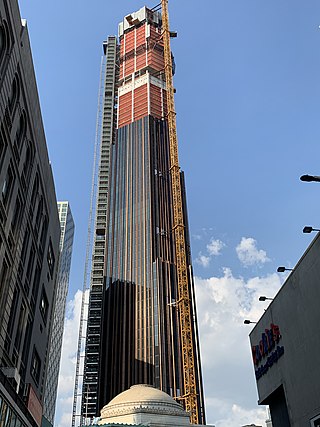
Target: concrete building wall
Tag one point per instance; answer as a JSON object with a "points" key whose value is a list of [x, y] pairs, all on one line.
{"points": [[291, 376]]}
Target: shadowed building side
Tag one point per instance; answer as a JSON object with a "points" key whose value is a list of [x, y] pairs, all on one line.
{"points": [[29, 230]]}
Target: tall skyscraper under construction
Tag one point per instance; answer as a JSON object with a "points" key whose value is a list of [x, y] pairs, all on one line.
{"points": [[134, 332]]}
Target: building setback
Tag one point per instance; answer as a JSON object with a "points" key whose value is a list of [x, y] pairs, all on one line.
{"points": [[29, 230], [66, 242], [133, 332]]}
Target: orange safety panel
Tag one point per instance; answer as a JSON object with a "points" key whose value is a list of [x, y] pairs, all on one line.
{"points": [[125, 109], [129, 66], [141, 60], [156, 60], [129, 41], [140, 35], [140, 102], [155, 101]]}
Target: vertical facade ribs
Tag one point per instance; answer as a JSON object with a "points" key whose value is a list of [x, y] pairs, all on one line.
{"points": [[134, 297]]}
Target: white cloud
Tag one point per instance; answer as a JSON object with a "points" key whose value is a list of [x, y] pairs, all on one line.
{"points": [[68, 362], [214, 247], [197, 236], [222, 304], [249, 254], [239, 416], [203, 260]]}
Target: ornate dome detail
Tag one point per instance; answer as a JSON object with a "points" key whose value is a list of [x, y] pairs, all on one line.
{"points": [[145, 400]]}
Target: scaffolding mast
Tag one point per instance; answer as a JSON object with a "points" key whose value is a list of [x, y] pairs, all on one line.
{"points": [[77, 393], [184, 297]]}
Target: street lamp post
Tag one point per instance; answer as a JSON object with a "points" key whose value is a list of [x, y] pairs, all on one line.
{"points": [[309, 229], [265, 298], [247, 322], [310, 178]]}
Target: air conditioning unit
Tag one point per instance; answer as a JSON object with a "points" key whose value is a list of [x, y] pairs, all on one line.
{"points": [[11, 372]]}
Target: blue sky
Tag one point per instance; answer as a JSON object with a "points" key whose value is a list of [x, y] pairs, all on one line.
{"points": [[247, 105]]}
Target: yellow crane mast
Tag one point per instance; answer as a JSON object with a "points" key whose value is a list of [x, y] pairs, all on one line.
{"points": [[184, 301]]}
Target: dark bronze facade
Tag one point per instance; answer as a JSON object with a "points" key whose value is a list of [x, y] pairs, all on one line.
{"points": [[137, 328]]}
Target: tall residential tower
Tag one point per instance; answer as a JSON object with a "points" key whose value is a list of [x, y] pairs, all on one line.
{"points": [[134, 327], [66, 242]]}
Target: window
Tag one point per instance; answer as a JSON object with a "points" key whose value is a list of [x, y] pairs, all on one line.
{"points": [[7, 185], [35, 366], [13, 311], [21, 130], [44, 305], [16, 214], [36, 281], [26, 344], [35, 191], [3, 274], [3, 41], [50, 259], [17, 341], [30, 265], [39, 213], [14, 95], [13, 420], [25, 245], [27, 167], [43, 237], [4, 413], [3, 139]]}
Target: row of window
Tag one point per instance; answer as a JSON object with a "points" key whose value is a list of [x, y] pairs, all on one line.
{"points": [[8, 417], [4, 41]]}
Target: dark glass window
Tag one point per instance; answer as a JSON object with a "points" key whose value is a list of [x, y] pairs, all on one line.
{"points": [[39, 213], [3, 274], [21, 131], [26, 344], [3, 42], [43, 237], [30, 265], [36, 281], [4, 413], [27, 167], [44, 305], [50, 259], [13, 312], [35, 191], [7, 185], [17, 341], [3, 139], [13, 420], [35, 366], [25, 244], [14, 95], [16, 214]]}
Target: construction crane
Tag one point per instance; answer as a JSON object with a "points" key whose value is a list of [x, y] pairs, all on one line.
{"points": [[184, 300]]}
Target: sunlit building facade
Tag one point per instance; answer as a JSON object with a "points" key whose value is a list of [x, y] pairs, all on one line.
{"points": [[133, 334], [66, 243]]}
